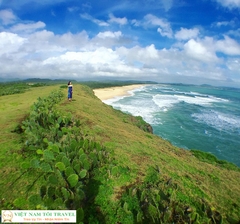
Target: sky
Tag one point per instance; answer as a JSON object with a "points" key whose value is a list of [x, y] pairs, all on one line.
{"points": [[168, 41]]}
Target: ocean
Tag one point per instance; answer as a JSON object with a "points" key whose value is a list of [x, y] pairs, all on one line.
{"points": [[206, 118]]}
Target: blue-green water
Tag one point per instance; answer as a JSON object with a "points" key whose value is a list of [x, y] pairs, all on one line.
{"points": [[191, 117]]}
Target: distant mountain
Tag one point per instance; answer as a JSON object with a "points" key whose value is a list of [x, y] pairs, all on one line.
{"points": [[35, 80], [9, 80]]}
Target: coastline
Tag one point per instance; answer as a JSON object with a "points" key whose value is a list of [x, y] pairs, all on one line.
{"points": [[112, 92]]}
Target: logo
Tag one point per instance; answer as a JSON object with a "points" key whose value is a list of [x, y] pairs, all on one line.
{"points": [[7, 216], [39, 216]]}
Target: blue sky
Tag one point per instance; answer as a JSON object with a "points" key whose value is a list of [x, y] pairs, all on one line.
{"points": [[158, 40]]}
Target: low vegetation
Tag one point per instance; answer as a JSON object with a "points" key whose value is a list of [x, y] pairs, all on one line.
{"points": [[107, 165], [17, 87], [209, 158]]}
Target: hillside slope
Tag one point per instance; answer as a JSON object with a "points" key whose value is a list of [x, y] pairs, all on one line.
{"points": [[198, 183]]}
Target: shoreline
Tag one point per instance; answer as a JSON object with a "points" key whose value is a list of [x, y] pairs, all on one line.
{"points": [[117, 91]]}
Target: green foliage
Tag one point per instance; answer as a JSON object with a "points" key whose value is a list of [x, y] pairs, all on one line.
{"points": [[20, 203], [138, 120], [64, 161], [71, 169], [80, 215], [154, 201], [209, 158], [13, 88], [60, 166], [83, 173], [73, 180], [52, 179], [35, 199], [25, 165], [40, 127], [63, 87], [10, 88]]}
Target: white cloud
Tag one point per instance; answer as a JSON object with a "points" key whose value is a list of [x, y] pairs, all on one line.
{"points": [[96, 21], [135, 22], [154, 20], [7, 17], [228, 46], [229, 3], [186, 34], [169, 65], [53, 13], [120, 21], [71, 42], [10, 43], [27, 27], [32, 3], [36, 52], [109, 34], [205, 49], [108, 39], [165, 32], [200, 50], [13, 24], [41, 53], [164, 27], [224, 23], [112, 19], [73, 9], [167, 4], [147, 56], [235, 33], [148, 53], [100, 62], [44, 43], [234, 64], [99, 56]]}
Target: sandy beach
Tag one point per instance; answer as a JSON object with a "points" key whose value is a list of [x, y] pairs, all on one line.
{"points": [[109, 93]]}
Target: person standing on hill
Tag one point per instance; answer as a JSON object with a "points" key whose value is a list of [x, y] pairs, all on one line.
{"points": [[70, 90]]}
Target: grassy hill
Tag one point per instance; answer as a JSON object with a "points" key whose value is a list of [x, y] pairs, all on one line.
{"points": [[141, 178]]}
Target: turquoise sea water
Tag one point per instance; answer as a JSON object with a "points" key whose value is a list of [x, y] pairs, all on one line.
{"points": [[191, 117]]}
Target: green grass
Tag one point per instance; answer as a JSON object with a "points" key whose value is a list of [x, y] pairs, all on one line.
{"points": [[13, 110], [10, 88], [198, 176], [209, 158]]}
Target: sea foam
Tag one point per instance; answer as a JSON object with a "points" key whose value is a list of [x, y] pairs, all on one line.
{"points": [[166, 101], [218, 120], [189, 116]]}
